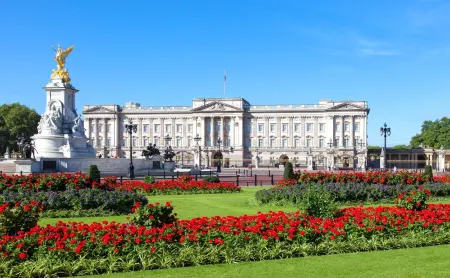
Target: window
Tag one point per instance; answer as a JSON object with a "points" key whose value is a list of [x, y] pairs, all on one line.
{"points": [[218, 129], [308, 142], [145, 141], [157, 128], [179, 128], [145, 128], [297, 127], [346, 126], [92, 128], [260, 142], [273, 127], [321, 143], [100, 141], [336, 142], [296, 143], [108, 141], [337, 127], [93, 142], [108, 128], [284, 127], [284, 143], [309, 127], [356, 127], [272, 142], [227, 127], [260, 127], [178, 142], [124, 142], [321, 127], [189, 142], [346, 142], [227, 142], [156, 141], [168, 128], [134, 142], [190, 127], [100, 128]]}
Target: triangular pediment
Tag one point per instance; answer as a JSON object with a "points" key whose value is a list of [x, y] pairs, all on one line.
{"points": [[216, 106], [98, 109], [346, 106]]}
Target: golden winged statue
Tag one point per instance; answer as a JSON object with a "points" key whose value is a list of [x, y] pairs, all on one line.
{"points": [[60, 58]]}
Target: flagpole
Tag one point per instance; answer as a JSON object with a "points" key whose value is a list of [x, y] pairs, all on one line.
{"points": [[224, 83]]}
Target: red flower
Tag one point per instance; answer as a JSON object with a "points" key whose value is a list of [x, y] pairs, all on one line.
{"points": [[22, 256]]}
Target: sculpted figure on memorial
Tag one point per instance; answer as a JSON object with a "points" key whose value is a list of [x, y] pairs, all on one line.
{"points": [[54, 118], [168, 154], [26, 147], [78, 126], [41, 124], [150, 151]]}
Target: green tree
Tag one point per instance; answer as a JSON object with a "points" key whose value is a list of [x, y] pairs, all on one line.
{"points": [[434, 134], [288, 171], [371, 147], [16, 119]]}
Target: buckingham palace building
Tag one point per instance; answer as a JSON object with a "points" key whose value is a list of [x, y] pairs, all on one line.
{"points": [[330, 134]]}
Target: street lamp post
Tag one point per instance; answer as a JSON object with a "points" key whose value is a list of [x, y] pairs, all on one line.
{"points": [[207, 156], [197, 139], [130, 128], [385, 131], [219, 141], [330, 144]]}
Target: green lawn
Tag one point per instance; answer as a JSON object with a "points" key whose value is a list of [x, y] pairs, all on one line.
{"points": [[197, 205], [417, 262]]}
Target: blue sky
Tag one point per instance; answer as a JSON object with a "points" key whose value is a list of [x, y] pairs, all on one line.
{"points": [[394, 54]]}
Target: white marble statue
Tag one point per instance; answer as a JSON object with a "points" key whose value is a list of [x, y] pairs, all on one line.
{"points": [[78, 127]]}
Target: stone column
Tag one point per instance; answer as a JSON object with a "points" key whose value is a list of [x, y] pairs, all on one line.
{"points": [[213, 132], [303, 132], [150, 131], [96, 133], [254, 122], [330, 129], [87, 127], [266, 132], [117, 136], [278, 141], [316, 132], [139, 133], [363, 129], [105, 134], [291, 132], [184, 139], [222, 127], [203, 130], [341, 143], [232, 131], [240, 131], [162, 132], [352, 130], [173, 133]]}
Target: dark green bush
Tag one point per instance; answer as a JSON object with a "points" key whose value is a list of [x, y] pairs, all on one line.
{"points": [[317, 202], [153, 215], [211, 179], [149, 179], [288, 171], [94, 173], [428, 172]]}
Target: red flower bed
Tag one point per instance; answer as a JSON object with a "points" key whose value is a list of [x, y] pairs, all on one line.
{"points": [[178, 187], [378, 177], [45, 182], [107, 239]]}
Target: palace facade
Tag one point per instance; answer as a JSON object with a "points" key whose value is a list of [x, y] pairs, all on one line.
{"points": [[320, 136]]}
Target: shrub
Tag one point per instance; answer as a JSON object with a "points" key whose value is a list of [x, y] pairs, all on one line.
{"points": [[149, 179], [414, 200], [94, 173], [318, 202], [428, 172], [153, 215], [211, 179], [288, 171], [15, 217], [83, 199]]}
